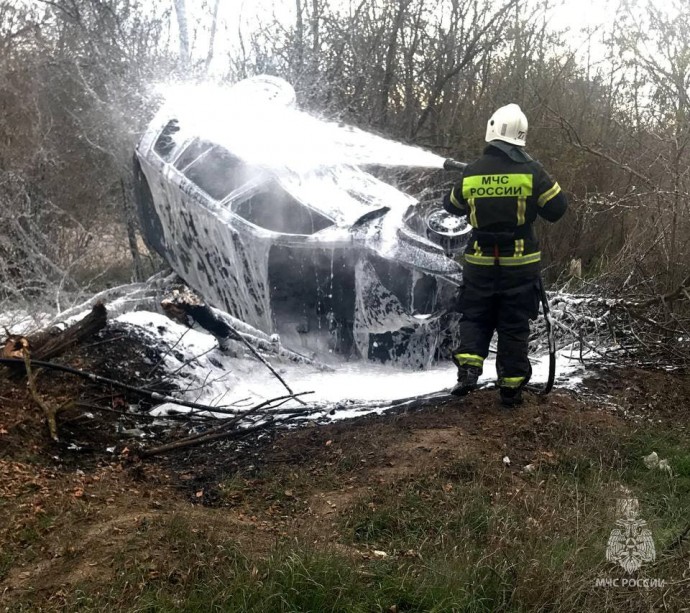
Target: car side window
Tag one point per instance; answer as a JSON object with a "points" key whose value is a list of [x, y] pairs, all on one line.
{"points": [[192, 152], [165, 144], [213, 169]]}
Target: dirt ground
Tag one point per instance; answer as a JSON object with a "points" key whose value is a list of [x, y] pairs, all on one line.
{"points": [[69, 509]]}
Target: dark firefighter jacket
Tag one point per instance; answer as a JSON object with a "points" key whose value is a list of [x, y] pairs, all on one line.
{"points": [[502, 193]]}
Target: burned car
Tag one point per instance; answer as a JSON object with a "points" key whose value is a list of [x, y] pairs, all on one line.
{"points": [[329, 257]]}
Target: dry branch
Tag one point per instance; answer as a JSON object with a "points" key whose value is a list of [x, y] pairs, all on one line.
{"points": [[225, 430], [147, 393], [576, 141], [122, 298], [49, 411], [680, 292], [630, 328]]}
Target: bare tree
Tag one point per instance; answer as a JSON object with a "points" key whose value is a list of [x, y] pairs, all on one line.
{"points": [[183, 25], [212, 34]]}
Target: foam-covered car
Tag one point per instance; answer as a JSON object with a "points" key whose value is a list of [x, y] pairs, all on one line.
{"points": [[329, 257]]}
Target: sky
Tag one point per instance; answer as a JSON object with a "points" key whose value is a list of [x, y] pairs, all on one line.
{"points": [[576, 16], [566, 13]]}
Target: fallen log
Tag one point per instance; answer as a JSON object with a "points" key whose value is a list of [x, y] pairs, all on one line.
{"points": [[121, 299], [50, 343], [47, 344]]}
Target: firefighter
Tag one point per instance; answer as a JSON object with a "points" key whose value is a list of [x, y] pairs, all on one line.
{"points": [[502, 194]]}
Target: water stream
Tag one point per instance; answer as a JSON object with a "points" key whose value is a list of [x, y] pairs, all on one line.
{"points": [[257, 119]]}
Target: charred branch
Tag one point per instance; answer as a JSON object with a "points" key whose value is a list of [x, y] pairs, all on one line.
{"points": [[47, 344], [219, 328], [227, 429], [147, 393], [187, 309]]}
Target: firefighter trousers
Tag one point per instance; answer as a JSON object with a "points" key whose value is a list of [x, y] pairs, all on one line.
{"points": [[488, 307]]}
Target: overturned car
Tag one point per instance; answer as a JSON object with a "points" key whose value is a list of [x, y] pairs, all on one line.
{"points": [[330, 258]]}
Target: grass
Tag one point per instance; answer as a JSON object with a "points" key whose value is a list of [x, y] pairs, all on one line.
{"points": [[422, 514], [6, 562], [664, 498], [475, 542], [466, 538], [302, 580], [27, 541]]}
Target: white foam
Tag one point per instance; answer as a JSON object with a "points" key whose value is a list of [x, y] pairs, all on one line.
{"points": [[217, 379]]}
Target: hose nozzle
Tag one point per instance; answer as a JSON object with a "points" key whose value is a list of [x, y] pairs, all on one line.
{"points": [[451, 164]]}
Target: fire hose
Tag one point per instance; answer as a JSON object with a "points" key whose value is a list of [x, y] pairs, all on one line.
{"points": [[548, 386], [452, 165]]}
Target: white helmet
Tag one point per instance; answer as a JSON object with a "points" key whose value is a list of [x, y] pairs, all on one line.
{"points": [[508, 124]]}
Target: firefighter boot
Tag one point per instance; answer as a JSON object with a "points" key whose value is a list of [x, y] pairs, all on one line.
{"points": [[467, 380], [511, 396]]}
